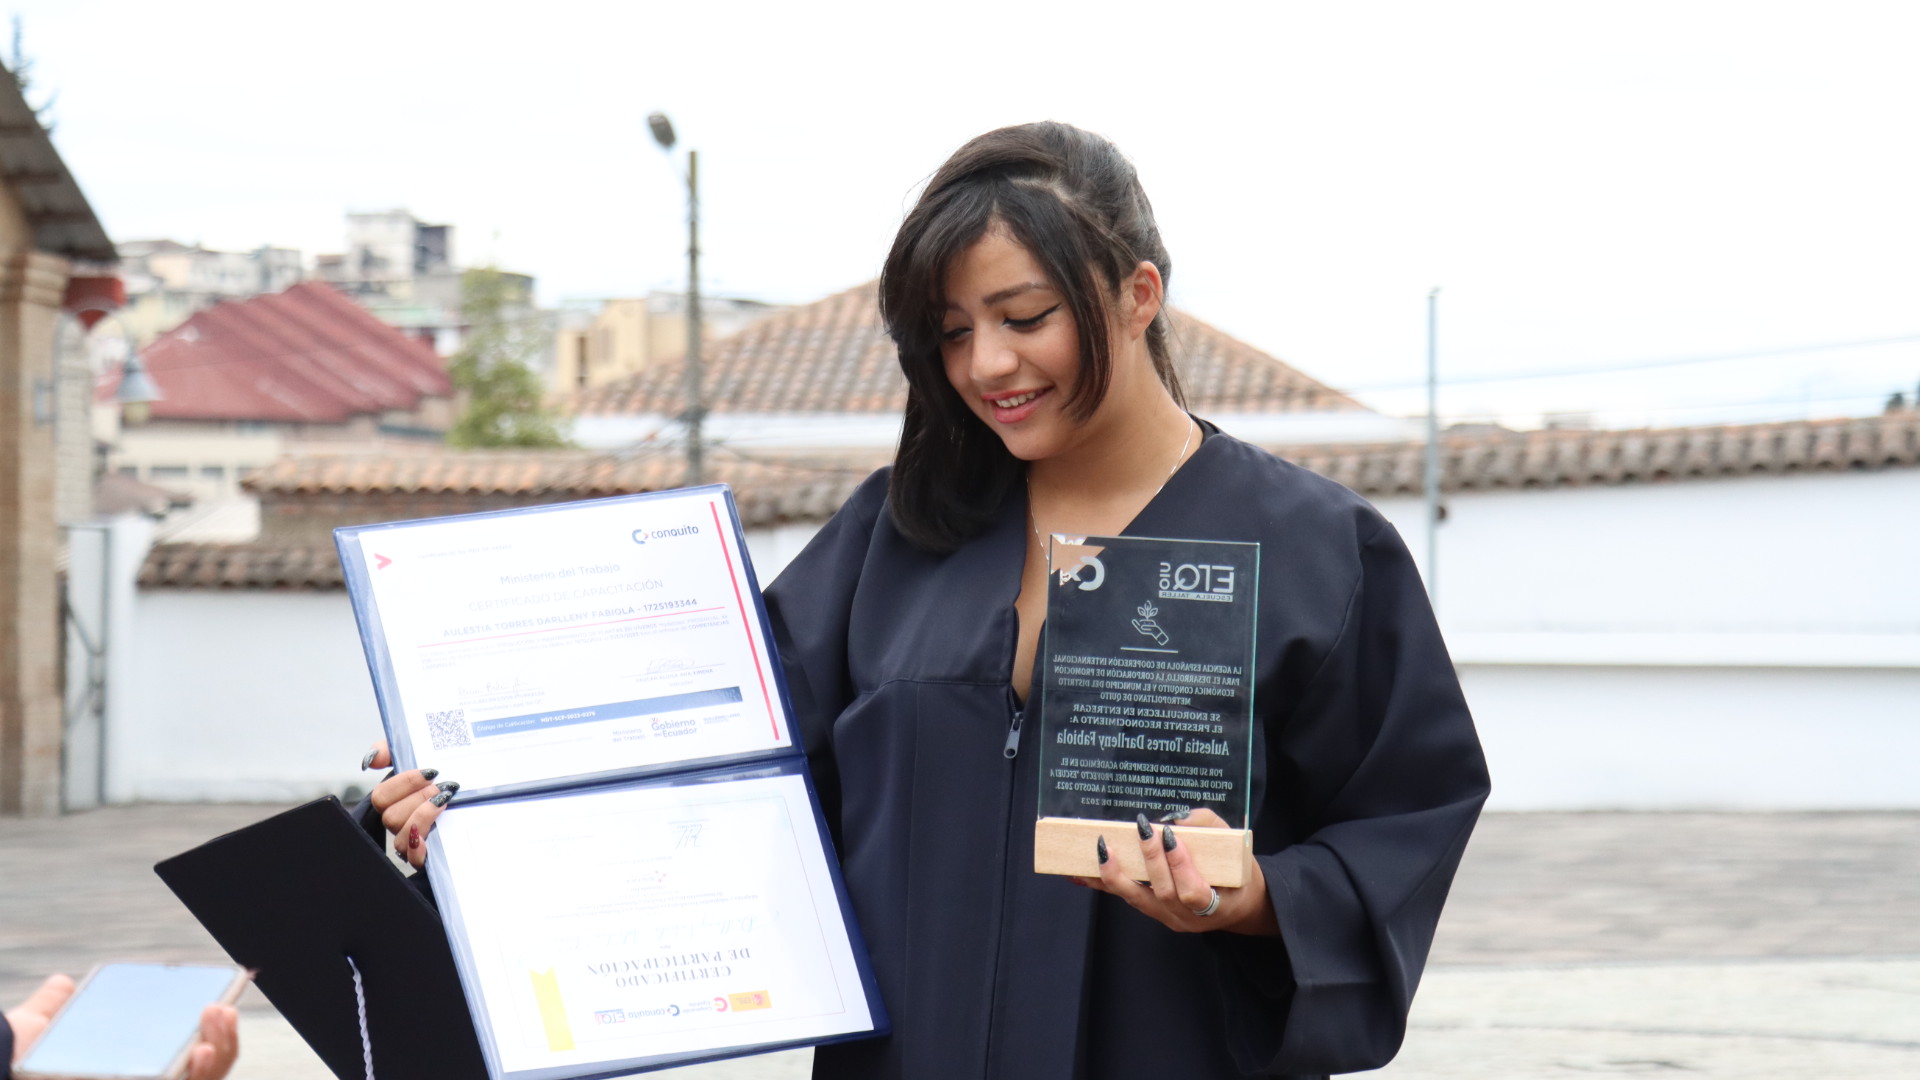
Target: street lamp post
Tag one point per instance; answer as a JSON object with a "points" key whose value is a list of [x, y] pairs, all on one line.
{"points": [[662, 129]]}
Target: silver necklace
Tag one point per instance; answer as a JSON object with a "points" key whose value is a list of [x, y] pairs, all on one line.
{"points": [[1034, 523]]}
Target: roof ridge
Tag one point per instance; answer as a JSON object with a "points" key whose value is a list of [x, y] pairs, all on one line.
{"points": [[833, 355]]}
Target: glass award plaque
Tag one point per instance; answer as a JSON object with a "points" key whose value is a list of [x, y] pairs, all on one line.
{"points": [[1146, 701]]}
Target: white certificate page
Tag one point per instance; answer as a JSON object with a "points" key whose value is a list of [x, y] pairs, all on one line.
{"points": [[633, 923], [584, 639]]}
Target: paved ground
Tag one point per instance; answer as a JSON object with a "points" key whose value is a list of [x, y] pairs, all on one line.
{"points": [[1744, 946]]}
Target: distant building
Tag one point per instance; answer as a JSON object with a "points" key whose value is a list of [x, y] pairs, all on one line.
{"points": [[167, 281], [624, 337], [403, 271], [249, 380], [52, 249]]}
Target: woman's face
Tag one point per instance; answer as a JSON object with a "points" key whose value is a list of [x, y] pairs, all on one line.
{"points": [[1010, 347]]}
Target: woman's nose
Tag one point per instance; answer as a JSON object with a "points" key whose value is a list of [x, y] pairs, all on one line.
{"points": [[993, 357]]}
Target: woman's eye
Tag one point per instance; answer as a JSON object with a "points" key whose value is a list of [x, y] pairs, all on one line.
{"points": [[954, 334], [1033, 323]]}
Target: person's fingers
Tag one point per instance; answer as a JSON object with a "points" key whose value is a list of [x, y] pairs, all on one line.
{"points": [[52, 993], [420, 823], [378, 757], [1158, 877], [1115, 880], [1190, 889], [29, 1018], [219, 1046], [397, 796]]}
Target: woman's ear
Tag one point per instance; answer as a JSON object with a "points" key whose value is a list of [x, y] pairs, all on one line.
{"points": [[1141, 293]]}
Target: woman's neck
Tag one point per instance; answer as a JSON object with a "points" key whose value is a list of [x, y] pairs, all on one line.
{"points": [[1132, 447]]}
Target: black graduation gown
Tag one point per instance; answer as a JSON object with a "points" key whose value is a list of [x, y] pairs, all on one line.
{"points": [[1367, 779]]}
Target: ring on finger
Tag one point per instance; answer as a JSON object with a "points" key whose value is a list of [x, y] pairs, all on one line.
{"points": [[1213, 904]]}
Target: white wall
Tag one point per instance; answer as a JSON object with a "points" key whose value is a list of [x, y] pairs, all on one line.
{"points": [[1624, 737], [241, 696], [1748, 643]]}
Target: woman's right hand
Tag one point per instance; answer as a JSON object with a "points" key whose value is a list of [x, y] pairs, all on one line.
{"points": [[408, 803]]}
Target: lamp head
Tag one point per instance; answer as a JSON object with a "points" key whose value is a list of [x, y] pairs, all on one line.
{"points": [[136, 386], [662, 129]]}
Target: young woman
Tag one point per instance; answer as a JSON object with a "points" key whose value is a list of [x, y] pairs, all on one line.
{"points": [[1025, 295]]}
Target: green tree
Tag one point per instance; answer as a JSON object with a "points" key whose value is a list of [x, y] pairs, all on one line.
{"points": [[505, 403]]}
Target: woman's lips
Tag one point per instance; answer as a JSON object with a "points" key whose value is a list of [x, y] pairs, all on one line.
{"points": [[1013, 408]]}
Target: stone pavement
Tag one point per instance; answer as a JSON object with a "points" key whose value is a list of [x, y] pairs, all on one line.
{"points": [[1742, 946]]}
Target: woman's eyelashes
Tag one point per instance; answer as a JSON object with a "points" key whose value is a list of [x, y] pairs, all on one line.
{"points": [[956, 333], [1034, 322]]}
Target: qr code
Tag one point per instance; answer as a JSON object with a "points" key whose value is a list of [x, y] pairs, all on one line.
{"points": [[449, 729]]}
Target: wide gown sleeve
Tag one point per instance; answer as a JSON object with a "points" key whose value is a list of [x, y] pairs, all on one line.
{"points": [[1397, 783], [811, 606]]}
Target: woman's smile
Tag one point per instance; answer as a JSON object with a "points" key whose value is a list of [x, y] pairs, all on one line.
{"points": [[1013, 408], [1010, 346]]}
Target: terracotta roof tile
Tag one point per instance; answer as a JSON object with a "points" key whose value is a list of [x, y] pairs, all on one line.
{"points": [[241, 566], [1531, 459], [768, 491], [834, 356], [306, 355], [774, 491]]}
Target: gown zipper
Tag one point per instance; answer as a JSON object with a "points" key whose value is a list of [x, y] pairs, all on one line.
{"points": [[1012, 749]]}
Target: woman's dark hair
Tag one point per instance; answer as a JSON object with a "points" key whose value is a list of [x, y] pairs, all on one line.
{"points": [[1074, 203]]}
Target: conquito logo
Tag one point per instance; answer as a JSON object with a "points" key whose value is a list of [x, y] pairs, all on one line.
{"points": [[641, 536]]}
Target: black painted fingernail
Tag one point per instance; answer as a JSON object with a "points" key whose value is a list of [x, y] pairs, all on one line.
{"points": [[1146, 830], [367, 762], [1100, 849], [428, 774], [448, 785], [442, 799], [1166, 838]]}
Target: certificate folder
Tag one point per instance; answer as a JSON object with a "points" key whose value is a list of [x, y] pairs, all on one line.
{"points": [[636, 873]]}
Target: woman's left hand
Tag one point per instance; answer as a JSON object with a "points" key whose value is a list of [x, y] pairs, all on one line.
{"points": [[1174, 893]]}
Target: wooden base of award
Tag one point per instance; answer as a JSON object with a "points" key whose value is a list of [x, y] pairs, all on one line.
{"points": [[1224, 857]]}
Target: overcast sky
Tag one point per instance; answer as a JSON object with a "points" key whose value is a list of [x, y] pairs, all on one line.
{"points": [[1593, 185]]}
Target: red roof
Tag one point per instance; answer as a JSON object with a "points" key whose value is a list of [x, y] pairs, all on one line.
{"points": [[306, 355]]}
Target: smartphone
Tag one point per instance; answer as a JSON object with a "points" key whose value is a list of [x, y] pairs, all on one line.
{"points": [[130, 1022]]}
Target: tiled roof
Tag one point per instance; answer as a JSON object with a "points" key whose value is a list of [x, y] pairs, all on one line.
{"points": [[241, 566], [306, 355], [834, 356], [768, 491], [1539, 459], [795, 489], [62, 220]]}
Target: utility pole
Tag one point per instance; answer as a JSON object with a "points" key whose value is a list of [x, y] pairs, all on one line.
{"points": [[696, 406], [1433, 447], [662, 129]]}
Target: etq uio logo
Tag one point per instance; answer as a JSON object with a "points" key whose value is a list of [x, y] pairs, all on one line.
{"points": [[641, 536], [1196, 581]]}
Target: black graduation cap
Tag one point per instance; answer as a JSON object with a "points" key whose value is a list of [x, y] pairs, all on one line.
{"points": [[299, 895]]}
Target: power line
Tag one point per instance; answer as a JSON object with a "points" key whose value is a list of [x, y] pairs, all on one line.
{"points": [[1643, 365]]}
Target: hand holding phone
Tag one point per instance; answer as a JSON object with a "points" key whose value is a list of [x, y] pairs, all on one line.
{"points": [[131, 1022]]}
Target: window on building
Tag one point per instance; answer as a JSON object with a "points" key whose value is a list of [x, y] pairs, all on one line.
{"points": [[132, 472], [167, 472], [213, 472]]}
